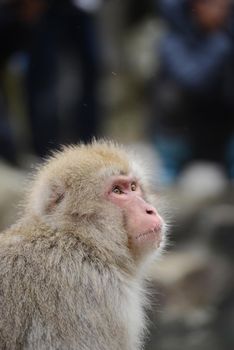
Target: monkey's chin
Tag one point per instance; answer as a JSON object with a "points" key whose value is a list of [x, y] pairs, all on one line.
{"points": [[151, 238]]}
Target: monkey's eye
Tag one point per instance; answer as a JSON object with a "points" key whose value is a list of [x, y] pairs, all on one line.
{"points": [[133, 186], [117, 190]]}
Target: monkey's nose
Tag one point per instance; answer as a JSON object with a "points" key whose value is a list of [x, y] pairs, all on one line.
{"points": [[151, 210]]}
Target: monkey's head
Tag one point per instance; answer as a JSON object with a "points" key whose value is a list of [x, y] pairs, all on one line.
{"points": [[97, 189]]}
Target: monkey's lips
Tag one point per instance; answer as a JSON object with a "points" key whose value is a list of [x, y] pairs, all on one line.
{"points": [[151, 236]]}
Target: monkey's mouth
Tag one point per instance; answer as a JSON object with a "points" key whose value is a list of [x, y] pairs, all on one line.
{"points": [[151, 236]]}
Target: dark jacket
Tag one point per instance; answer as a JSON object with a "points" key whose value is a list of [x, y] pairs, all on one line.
{"points": [[191, 57]]}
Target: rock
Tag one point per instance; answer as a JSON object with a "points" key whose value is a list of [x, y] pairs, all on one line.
{"points": [[193, 282], [216, 223], [202, 180], [194, 287]]}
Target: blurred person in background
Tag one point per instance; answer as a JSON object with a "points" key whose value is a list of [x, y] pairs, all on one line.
{"points": [[7, 145], [194, 92], [13, 38], [47, 31]]}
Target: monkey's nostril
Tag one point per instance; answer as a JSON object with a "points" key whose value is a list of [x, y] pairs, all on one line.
{"points": [[150, 212]]}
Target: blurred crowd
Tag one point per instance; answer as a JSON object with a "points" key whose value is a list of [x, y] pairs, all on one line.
{"points": [[57, 49], [38, 34], [194, 95]]}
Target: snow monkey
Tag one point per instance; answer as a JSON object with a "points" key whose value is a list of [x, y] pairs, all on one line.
{"points": [[72, 268]]}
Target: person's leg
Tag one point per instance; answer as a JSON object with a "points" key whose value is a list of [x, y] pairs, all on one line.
{"points": [[229, 146], [7, 145], [209, 128], [42, 86], [230, 157], [170, 129], [86, 46]]}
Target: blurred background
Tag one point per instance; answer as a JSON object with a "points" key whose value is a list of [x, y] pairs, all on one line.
{"points": [[158, 76]]}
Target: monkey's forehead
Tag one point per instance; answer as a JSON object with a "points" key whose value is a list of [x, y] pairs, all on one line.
{"points": [[88, 161]]}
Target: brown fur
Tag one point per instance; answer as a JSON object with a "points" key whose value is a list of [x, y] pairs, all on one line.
{"points": [[67, 277]]}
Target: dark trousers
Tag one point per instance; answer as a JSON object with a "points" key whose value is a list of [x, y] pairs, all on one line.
{"points": [[203, 122], [63, 29]]}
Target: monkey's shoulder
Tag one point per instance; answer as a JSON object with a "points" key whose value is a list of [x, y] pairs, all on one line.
{"points": [[53, 251]]}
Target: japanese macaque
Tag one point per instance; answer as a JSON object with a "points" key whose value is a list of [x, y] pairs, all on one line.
{"points": [[72, 269]]}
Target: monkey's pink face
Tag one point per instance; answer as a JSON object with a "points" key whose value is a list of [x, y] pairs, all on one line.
{"points": [[143, 223]]}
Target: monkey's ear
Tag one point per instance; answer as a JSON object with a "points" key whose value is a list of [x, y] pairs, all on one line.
{"points": [[47, 196], [56, 196]]}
